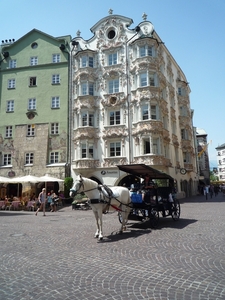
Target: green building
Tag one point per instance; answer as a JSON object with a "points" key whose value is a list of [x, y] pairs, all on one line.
{"points": [[34, 105]]}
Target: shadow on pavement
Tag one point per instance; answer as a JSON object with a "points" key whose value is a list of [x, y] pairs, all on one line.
{"points": [[116, 236]]}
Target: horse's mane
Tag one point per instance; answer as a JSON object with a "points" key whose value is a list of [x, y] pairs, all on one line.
{"points": [[89, 182]]}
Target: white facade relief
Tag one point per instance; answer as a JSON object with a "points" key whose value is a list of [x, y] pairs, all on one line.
{"points": [[130, 104]]}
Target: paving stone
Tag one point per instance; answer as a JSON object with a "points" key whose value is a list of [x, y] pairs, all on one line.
{"points": [[57, 257]]}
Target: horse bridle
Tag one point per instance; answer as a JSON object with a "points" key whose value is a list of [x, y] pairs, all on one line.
{"points": [[80, 185]]}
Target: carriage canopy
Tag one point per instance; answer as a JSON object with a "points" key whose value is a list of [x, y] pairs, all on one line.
{"points": [[141, 169]]}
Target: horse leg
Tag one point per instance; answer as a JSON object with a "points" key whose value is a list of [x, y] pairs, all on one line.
{"points": [[100, 223], [125, 213], [97, 224]]}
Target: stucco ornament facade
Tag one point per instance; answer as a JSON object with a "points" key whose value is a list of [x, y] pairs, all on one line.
{"points": [[128, 94]]}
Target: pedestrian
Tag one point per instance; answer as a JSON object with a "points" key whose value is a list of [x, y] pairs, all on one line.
{"points": [[206, 191], [54, 202], [211, 189], [42, 199]]}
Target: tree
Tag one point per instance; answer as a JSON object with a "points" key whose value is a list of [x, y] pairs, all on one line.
{"points": [[213, 176], [68, 183]]}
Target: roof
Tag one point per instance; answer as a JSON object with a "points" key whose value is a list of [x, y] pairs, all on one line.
{"points": [[142, 169], [200, 131]]}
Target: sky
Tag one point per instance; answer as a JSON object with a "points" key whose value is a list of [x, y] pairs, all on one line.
{"points": [[193, 31]]}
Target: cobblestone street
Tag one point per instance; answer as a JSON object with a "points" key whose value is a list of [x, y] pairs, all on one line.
{"points": [[57, 257]]}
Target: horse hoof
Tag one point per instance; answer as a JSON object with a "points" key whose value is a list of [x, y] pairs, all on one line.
{"points": [[96, 236], [101, 238]]}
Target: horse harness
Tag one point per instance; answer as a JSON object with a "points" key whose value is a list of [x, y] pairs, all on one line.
{"points": [[105, 192]]}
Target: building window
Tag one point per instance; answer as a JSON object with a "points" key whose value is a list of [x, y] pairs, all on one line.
{"points": [[33, 81], [54, 157], [146, 145], [32, 104], [186, 157], [87, 61], [181, 91], [153, 112], [114, 117], [10, 106], [184, 134], [87, 119], [156, 146], [12, 63], [112, 59], [151, 80], [87, 88], [145, 51], [143, 79], [114, 86], [54, 128], [29, 158], [8, 131], [55, 102], [30, 130], [56, 79], [11, 83], [33, 60], [115, 149], [87, 150], [7, 159], [146, 113], [56, 58]]}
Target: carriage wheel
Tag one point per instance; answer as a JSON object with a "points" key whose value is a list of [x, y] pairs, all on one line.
{"points": [[154, 217], [175, 210]]}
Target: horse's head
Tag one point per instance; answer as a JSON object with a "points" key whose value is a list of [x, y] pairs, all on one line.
{"points": [[77, 186]]}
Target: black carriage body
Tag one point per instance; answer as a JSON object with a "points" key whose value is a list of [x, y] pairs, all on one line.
{"points": [[157, 200]]}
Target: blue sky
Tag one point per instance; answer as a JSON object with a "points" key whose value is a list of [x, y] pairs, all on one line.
{"points": [[192, 30]]}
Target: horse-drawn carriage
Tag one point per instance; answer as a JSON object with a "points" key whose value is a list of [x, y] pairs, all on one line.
{"points": [[159, 199], [103, 199]]}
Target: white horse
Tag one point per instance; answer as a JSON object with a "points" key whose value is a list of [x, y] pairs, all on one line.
{"points": [[103, 199]]}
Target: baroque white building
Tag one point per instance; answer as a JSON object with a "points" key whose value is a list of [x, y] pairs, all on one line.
{"points": [[130, 105]]}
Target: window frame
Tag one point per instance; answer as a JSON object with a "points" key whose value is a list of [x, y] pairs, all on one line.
{"points": [[29, 158], [11, 83], [87, 150], [55, 102], [32, 104], [7, 159], [56, 58], [10, 106], [114, 117], [12, 63], [8, 131], [54, 157], [113, 86], [32, 81], [87, 119], [33, 61], [30, 130], [113, 59], [115, 149], [55, 79], [55, 128]]}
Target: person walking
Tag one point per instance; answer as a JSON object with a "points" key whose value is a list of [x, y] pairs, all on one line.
{"points": [[211, 190], [42, 198], [206, 191]]}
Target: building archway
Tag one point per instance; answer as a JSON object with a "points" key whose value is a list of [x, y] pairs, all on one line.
{"points": [[130, 181]]}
